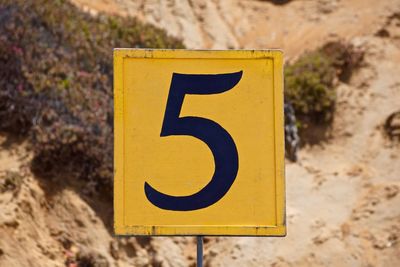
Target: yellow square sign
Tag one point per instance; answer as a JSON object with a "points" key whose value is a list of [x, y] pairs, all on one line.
{"points": [[199, 142]]}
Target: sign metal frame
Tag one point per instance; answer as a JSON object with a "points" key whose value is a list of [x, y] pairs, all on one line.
{"points": [[184, 230]]}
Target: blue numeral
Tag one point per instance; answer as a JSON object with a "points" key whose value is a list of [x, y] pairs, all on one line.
{"points": [[211, 133]]}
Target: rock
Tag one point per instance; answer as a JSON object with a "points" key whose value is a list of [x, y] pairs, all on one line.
{"points": [[114, 249], [91, 258]]}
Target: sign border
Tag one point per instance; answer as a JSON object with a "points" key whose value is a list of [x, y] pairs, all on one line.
{"points": [[119, 154]]}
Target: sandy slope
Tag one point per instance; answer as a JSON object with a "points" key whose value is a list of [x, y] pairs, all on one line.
{"points": [[46, 222], [221, 24], [343, 197]]}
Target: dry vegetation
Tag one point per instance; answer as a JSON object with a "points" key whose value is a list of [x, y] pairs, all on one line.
{"points": [[56, 83]]}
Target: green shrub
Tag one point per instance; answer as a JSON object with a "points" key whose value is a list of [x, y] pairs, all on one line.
{"points": [[310, 81], [309, 86], [56, 83]]}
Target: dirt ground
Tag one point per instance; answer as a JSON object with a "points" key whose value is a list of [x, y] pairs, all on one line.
{"points": [[343, 196]]}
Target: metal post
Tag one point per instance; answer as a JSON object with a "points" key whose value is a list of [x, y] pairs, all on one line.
{"points": [[199, 251]]}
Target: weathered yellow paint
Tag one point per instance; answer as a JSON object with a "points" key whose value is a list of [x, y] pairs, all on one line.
{"points": [[252, 112]]}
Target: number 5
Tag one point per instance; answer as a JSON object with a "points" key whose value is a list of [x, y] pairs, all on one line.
{"points": [[211, 133]]}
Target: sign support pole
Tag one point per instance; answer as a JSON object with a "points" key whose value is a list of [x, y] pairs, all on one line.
{"points": [[199, 251]]}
